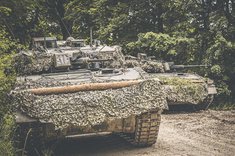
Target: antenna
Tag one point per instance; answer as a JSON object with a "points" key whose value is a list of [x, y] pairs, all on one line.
{"points": [[44, 38], [91, 39], [62, 21]]}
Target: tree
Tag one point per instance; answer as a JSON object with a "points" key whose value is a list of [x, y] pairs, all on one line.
{"points": [[199, 31], [56, 12]]}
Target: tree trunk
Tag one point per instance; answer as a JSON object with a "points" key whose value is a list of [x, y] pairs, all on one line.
{"points": [[159, 18]]}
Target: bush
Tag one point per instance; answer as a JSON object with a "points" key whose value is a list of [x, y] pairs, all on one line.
{"points": [[7, 49], [6, 135]]}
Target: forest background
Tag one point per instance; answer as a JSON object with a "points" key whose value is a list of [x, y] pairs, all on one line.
{"points": [[183, 31]]}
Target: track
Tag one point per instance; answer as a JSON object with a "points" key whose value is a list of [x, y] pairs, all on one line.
{"points": [[203, 133], [147, 128]]}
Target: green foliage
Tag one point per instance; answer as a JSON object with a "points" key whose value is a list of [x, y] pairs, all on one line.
{"points": [[7, 49], [6, 83], [224, 106], [164, 46], [6, 135], [31, 18], [4, 11], [184, 90], [222, 58], [182, 50], [183, 84], [82, 14], [186, 32]]}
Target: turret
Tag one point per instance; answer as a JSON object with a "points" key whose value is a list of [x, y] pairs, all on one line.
{"points": [[151, 65]]}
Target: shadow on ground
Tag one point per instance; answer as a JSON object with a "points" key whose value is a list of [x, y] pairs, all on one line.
{"points": [[180, 109], [104, 145]]}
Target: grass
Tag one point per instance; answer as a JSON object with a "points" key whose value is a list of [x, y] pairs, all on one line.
{"points": [[6, 135], [223, 106]]}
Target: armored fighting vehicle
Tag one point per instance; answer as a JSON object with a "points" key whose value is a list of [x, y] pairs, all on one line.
{"points": [[180, 87], [84, 91]]}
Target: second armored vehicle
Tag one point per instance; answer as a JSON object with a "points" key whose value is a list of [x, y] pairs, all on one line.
{"points": [[180, 87]]}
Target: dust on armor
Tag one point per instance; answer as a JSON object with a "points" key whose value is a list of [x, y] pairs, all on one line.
{"points": [[180, 88], [84, 90]]}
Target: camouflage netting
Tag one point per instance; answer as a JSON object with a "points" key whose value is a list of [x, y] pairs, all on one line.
{"points": [[153, 67], [91, 108], [31, 62], [117, 57], [179, 90], [148, 66], [26, 64], [132, 63]]}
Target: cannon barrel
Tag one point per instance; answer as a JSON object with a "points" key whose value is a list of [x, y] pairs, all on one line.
{"points": [[99, 60], [186, 66], [85, 60]]}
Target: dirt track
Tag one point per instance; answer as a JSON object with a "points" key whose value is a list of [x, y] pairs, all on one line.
{"points": [[203, 133]]}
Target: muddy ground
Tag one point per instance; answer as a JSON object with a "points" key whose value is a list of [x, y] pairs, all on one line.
{"points": [[181, 133]]}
